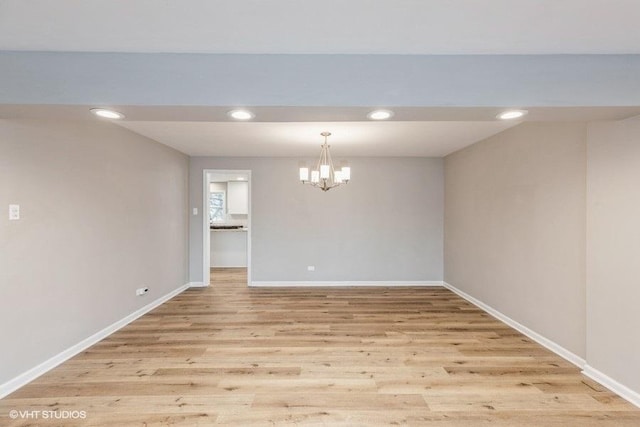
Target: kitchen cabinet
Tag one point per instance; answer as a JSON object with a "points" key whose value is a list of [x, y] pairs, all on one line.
{"points": [[228, 248], [238, 198]]}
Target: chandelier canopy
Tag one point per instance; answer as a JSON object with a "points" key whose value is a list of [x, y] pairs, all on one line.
{"points": [[324, 176]]}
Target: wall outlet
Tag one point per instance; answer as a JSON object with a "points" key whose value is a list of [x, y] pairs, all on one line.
{"points": [[311, 268], [141, 291], [14, 212]]}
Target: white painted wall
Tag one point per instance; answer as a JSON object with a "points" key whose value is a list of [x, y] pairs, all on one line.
{"points": [[515, 227], [613, 250], [542, 224], [103, 213]]}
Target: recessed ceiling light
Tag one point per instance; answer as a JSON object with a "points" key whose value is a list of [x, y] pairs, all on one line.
{"points": [[511, 114], [240, 179], [107, 114], [241, 114], [380, 115]]}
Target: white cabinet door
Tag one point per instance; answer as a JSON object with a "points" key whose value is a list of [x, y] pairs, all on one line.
{"points": [[238, 197], [228, 248]]}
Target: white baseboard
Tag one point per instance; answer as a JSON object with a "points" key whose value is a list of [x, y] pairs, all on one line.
{"points": [[545, 342], [197, 285], [613, 385], [290, 284], [33, 373]]}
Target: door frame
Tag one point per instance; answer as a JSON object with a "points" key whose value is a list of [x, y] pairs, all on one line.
{"points": [[206, 232]]}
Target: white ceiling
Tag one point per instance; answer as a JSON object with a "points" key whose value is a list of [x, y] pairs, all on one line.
{"points": [[295, 131], [323, 26], [422, 139]]}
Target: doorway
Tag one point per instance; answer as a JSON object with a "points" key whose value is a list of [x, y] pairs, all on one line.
{"points": [[226, 224]]}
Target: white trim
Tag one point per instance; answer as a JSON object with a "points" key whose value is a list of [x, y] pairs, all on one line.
{"points": [[249, 217], [33, 373], [291, 283], [613, 385], [206, 236], [197, 284], [545, 342]]}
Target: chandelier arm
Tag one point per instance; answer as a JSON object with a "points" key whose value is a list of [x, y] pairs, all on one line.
{"points": [[319, 160], [330, 163], [332, 171], [326, 160]]}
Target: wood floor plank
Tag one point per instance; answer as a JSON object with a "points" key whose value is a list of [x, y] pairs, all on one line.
{"points": [[233, 355]]}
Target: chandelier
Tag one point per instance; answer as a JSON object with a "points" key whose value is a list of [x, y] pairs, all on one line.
{"points": [[324, 176]]}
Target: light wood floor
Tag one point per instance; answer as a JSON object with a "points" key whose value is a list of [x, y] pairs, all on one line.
{"points": [[360, 356]]}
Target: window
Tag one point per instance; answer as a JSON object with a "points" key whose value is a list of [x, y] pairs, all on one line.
{"points": [[216, 206]]}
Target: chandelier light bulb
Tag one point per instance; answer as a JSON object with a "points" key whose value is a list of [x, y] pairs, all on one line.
{"points": [[304, 174], [346, 173], [324, 171]]}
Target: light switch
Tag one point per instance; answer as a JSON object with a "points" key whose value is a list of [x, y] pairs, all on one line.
{"points": [[14, 212], [195, 211]]}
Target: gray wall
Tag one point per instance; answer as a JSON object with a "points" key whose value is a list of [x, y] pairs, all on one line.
{"points": [[103, 213], [515, 227], [613, 250], [385, 225], [81, 78]]}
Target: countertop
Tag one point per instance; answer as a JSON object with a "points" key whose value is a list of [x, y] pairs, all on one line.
{"points": [[227, 230]]}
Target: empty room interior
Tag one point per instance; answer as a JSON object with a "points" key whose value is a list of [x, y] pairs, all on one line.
{"points": [[320, 213]]}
